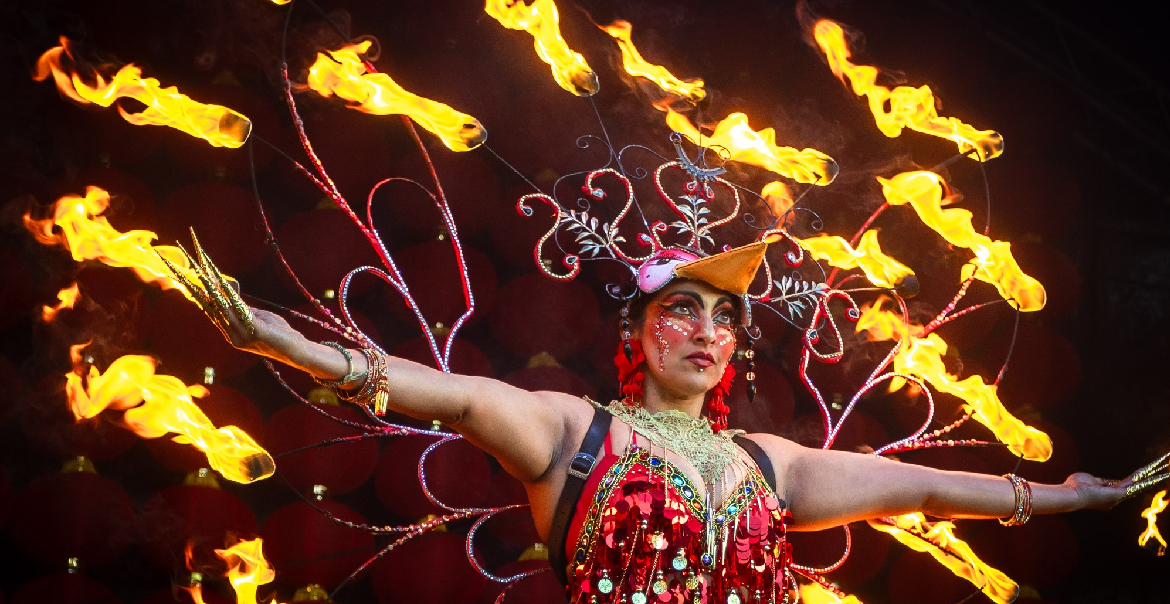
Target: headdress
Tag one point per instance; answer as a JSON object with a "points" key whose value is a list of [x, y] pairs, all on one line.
{"points": [[701, 226]]}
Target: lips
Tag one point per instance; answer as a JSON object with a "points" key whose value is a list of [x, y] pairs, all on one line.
{"points": [[701, 359]]}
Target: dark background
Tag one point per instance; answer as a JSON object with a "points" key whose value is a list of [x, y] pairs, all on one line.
{"points": [[1079, 95]]}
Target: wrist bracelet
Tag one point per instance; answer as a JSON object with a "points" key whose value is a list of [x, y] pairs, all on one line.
{"points": [[350, 374], [376, 391], [1023, 507]]}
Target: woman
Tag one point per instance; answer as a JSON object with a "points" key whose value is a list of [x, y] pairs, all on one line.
{"points": [[673, 506]]}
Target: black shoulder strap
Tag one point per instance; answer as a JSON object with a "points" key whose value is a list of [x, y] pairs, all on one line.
{"points": [[761, 459], [579, 470]]}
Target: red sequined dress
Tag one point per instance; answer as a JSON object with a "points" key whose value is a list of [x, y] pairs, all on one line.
{"points": [[641, 534]]}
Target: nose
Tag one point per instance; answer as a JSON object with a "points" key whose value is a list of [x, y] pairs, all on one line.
{"points": [[705, 332]]}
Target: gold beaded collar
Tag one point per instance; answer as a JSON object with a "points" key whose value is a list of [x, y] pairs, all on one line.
{"points": [[689, 437]]}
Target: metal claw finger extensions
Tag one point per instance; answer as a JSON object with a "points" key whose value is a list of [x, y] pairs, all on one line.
{"points": [[198, 294], [1140, 486], [1158, 465], [223, 285], [214, 294]]}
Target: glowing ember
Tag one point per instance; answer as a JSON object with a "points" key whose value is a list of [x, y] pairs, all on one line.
{"points": [[215, 124], [904, 106], [922, 357], [66, 299], [880, 269], [159, 404], [342, 73], [247, 569], [993, 262], [540, 19], [939, 540], [638, 67], [88, 236], [1151, 516], [815, 593], [758, 148]]}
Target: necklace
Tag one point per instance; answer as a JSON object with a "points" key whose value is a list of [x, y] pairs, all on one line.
{"points": [[689, 437]]}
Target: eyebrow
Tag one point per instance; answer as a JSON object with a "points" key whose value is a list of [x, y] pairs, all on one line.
{"points": [[699, 299]]}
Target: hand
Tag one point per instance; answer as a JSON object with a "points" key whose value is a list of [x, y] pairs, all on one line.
{"points": [[246, 328], [1096, 493], [270, 335]]}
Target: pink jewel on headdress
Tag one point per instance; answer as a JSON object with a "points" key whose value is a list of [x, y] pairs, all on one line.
{"points": [[658, 270]]}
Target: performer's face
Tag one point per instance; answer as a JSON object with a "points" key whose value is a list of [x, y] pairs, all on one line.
{"points": [[689, 336]]}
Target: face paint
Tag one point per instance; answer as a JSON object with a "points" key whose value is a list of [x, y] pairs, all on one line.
{"points": [[679, 320], [659, 336]]}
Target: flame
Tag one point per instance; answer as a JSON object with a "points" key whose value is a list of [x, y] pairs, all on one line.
{"points": [[777, 196], [215, 124], [343, 73], [247, 569], [88, 236], [939, 540], [880, 269], [540, 19], [67, 298], [159, 404], [196, 593], [1151, 516], [993, 262], [75, 352], [815, 593], [638, 67], [909, 107], [758, 148], [922, 357]]}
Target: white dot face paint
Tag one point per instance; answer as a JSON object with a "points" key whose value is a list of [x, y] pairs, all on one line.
{"points": [[693, 319]]}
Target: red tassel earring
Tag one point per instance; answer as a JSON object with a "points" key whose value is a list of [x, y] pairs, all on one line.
{"points": [[628, 361], [718, 409]]}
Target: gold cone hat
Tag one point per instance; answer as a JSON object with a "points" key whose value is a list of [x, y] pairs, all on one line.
{"points": [[731, 271]]}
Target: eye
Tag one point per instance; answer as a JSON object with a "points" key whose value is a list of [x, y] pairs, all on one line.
{"points": [[683, 308], [725, 317]]}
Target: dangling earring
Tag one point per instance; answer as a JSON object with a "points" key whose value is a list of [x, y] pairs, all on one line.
{"points": [[627, 348], [750, 356], [718, 409], [628, 361]]}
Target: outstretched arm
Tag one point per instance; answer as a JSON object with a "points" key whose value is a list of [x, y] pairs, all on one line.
{"points": [[523, 430], [830, 488]]}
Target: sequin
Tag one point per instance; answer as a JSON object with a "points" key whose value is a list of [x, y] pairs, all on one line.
{"points": [[644, 536]]}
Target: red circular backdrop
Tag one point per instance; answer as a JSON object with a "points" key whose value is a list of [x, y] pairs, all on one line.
{"points": [[306, 547], [199, 517], [74, 514], [458, 474], [340, 467]]}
